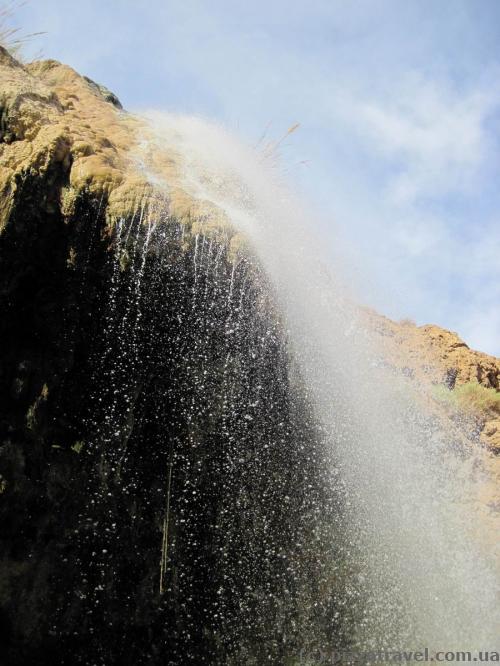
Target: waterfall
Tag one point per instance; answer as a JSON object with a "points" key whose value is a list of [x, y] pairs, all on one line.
{"points": [[203, 463], [205, 455], [415, 574]]}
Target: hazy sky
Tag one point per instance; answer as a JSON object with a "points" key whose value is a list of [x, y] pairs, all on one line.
{"points": [[399, 109]]}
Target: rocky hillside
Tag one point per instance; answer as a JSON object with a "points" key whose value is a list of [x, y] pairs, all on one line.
{"points": [[462, 379]]}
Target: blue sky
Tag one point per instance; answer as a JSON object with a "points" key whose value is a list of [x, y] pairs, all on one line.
{"points": [[399, 108]]}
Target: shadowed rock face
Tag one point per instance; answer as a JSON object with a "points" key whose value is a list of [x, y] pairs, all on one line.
{"points": [[160, 468]]}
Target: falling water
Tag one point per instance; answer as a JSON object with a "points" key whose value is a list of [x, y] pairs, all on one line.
{"points": [[413, 574], [201, 464]]}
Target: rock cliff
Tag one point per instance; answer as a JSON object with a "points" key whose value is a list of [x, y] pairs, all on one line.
{"points": [[150, 426]]}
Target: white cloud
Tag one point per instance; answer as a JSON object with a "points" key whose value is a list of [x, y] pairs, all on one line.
{"points": [[435, 134]]}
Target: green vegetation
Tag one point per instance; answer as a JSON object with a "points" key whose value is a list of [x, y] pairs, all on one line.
{"points": [[77, 447], [471, 397]]}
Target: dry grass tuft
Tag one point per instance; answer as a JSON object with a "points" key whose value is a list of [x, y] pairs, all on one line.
{"points": [[270, 151], [13, 38]]}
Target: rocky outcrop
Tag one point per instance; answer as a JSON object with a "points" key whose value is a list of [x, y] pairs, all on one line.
{"points": [[433, 352], [437, 357], [53, 119]]}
